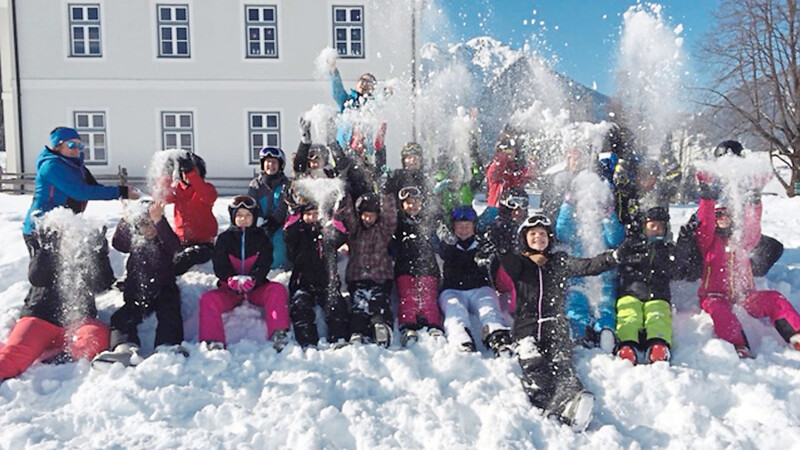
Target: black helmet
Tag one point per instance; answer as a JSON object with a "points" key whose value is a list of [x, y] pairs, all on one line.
{"points": [[657, 213], [533, 221], [514, 198], [463, 213], [200, 164], [368, 202], [273, 152], [244, 201], [728, 147]]}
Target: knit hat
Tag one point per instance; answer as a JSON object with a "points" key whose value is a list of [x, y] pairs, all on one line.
{"points": [[61, 134]]}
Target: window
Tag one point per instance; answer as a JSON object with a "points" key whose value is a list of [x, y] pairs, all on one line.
{"points": [[177, 130], [265, 131], [91, 125], [261, 24], [348, 31], [173, 31], [84, 31]]}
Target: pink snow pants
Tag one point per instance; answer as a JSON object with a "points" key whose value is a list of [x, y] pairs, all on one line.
{"points": [[418, 301], [758, 304], [31, 338], [272, 296]]}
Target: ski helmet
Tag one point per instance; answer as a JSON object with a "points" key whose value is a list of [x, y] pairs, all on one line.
{"points": [[514, 198], [463, 213], [273, 152], [409, 191], [200, 165], [728, 147], [243, 201], [368, 202], [533, 221], [657, 213], [411, 148]]}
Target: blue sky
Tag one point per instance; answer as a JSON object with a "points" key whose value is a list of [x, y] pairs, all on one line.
{"points": [[581, 33]]}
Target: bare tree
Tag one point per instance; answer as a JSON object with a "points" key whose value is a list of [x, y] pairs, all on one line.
{"points": [[755, 47]]}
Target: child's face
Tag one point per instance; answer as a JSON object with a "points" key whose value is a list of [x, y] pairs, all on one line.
{"points": [[412, 162], [537, 238], [243, 218], [311, 216], [146, 229], [463, 229], [271, 166], [724, 221], [368, 218], [654, 228], [412, 205], [315, 163]]}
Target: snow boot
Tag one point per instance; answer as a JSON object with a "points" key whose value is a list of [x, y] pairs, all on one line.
{"points": [[409, 337], [125, 354], [794, 341], [280, 338], [627, 352], [340, 343], [356, 338], [500, 342], [469, 346], [61, 358], [176, 349], [383, 334], [578, 411], [658, 352], [214, 346], [435, 333], [608, 340], [744, 352]]}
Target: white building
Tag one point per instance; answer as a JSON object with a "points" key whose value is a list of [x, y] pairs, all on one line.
{"points": [[220, 77]]}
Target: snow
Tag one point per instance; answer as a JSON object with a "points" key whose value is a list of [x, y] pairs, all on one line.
{"points": [[427, 396]]}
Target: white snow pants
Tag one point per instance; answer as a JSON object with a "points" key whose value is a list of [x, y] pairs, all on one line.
{"points": [[456, 306]]}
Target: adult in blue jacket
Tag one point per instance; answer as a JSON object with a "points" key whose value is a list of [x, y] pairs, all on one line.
{"points": [[62, 180]]}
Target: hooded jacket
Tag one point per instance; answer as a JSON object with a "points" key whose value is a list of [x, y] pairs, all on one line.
{"points": [[268, 190], [312, 251], [194, 221], [240, 251], [369, 247]]}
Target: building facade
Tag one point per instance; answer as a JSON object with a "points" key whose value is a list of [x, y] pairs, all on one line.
{"points": [[220, 78]]}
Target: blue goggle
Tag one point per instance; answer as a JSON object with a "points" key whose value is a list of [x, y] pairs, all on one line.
{"points": [[463, 213], [271, 152]]}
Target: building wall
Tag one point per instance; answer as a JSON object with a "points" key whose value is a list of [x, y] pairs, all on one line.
{"points": [[217, 83]]}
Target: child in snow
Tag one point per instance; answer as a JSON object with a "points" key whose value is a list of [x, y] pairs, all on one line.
{"points": [[540, 326], [644, 314], [589, 226], [370, 225], [268, 188], [466, 287], [59, 316], [509, 168], [149, 285], [412, 173], [312, 250], [416, 270], [195, 223], [728, 276], [242, 258]]}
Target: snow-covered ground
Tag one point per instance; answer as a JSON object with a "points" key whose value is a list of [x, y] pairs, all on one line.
{"points": [[427, 396]]}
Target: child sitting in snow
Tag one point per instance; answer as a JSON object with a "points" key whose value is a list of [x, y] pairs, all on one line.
{"points": [[416, 269], [727, 273], [370, 223], [466, 287], [314, 282], [149, 285], [540, 325], [644, 314], [242, 258]]}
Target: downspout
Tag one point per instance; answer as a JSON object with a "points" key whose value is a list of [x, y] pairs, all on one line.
{"points": [[19, 91], [414, 70]]}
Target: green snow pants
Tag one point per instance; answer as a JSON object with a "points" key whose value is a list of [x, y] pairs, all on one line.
{"points": [[652, 316]]}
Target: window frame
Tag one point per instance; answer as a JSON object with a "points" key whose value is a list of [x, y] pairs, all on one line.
{"points": [[87, 135], [349, 26], [264, 131], [261, 24], [173, 25], [85, 24], [178, 130]]}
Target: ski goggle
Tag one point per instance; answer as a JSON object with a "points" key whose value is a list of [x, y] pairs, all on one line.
{"points": [[515, 202], [368, 79], [243, 201], [271, 152], [463, 213], [537, 221], [409, 191], [721, 212], [73, 145]]}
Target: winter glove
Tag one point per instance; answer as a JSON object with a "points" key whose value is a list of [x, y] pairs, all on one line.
{"points": [[233, 284], [241, 283], [442, 186], [631, 251], [709, 187], [688, 231], [305, 130]]}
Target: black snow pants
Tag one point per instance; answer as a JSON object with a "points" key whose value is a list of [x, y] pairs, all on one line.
{"points": [[334, 306], [166, 305], [370, 305]]}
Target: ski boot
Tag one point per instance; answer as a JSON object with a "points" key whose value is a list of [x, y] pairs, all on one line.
{"points": [[607, 340], [435, 333], [408, 337], [176, 349], [280, 338], [578, 411], [628, 353], [125, 354], [383, 334], [214, 346], [61, 358], [500, 342], [469, 346], [356, 338], [744, 352], [658, 352]]}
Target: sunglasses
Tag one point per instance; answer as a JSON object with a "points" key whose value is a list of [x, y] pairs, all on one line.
{"points": [[73, 145], [463, 213], [409, 191], [368, 80], [243, 201], [515, 202]]}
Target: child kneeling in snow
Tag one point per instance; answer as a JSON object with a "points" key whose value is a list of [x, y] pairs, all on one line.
{"points": [[540, 325], [312, 247], [466, 287], [242, 258], [728, 275], [149, 285]]}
